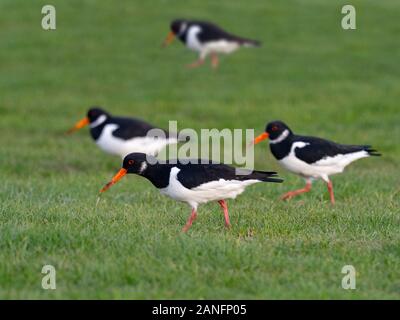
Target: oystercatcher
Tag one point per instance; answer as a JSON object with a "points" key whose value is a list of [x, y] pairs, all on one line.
{"points": [[192, 181], [310, 157], [207, 39], [121, 136]]}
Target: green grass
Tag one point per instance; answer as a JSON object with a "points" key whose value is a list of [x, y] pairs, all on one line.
{"points": [[318, 78]]}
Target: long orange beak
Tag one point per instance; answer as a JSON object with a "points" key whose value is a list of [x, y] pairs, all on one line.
{"points": [[115, 179], [80, 124], [261, 137], [170, 37]]}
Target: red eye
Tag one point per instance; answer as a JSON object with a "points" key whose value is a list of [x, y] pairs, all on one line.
{"points": [[275, 128], [130, 162]]}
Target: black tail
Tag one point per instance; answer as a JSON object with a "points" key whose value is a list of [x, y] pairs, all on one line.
{"points": [[371, 151], [266, 176], [249, 42], [181, 137]]}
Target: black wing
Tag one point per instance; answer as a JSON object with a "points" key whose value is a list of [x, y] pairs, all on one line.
{"points": [[317, 149], [131, 128], [192, 175], [211, 32]]}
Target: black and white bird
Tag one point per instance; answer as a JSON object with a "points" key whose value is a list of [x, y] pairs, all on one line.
{"points": [[192, 181], [121, 136], [310, 157], [206, 39]]}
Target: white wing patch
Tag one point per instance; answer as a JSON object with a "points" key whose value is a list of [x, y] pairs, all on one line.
{"points": [[218, 46], [299, 144], [342, 159], [210, 191], [319, 169], [117, 146]]}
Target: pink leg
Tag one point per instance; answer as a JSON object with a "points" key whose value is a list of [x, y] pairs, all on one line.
{"points": [[224, 207], [188, 224], [291, 194], [195, 64], [214, 60], [330, 189]]}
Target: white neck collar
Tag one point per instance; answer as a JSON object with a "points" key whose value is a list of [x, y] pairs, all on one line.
{"points": [[143, 167], [100, 120], [182, 29], [282, 137]]}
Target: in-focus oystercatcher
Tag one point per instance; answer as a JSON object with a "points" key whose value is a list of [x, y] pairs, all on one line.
{"points": [[207, 39], [192, 182], [121, 136], [310, 157]]}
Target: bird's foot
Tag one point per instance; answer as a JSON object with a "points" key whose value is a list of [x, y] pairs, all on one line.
{"points": [[287, 196], [195, 64], [189, 223], [214, 61], [331, 195]]}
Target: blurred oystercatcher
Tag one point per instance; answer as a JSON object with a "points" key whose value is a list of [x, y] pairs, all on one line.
{"points": [[207, 39], [310, 157], [121, 136], [193, 182]]}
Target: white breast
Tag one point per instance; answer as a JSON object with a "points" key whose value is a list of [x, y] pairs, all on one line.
{"points": [[340, 161], [322, 168], [295, 165], [221, 46], [117, 146], [192, 40], [210, 191]]}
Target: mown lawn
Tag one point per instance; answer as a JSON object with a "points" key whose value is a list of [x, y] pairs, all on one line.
{"points": [[312, 74]]}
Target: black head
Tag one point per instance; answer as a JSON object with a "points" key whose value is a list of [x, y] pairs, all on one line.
{"points": [[273, 131], [137, 162], [276, 128], [178, 26], [133, 163], [95, 112], [93, 115]]}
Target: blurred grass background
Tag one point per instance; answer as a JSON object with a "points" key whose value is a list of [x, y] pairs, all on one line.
{"points": [[310, 73]]}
